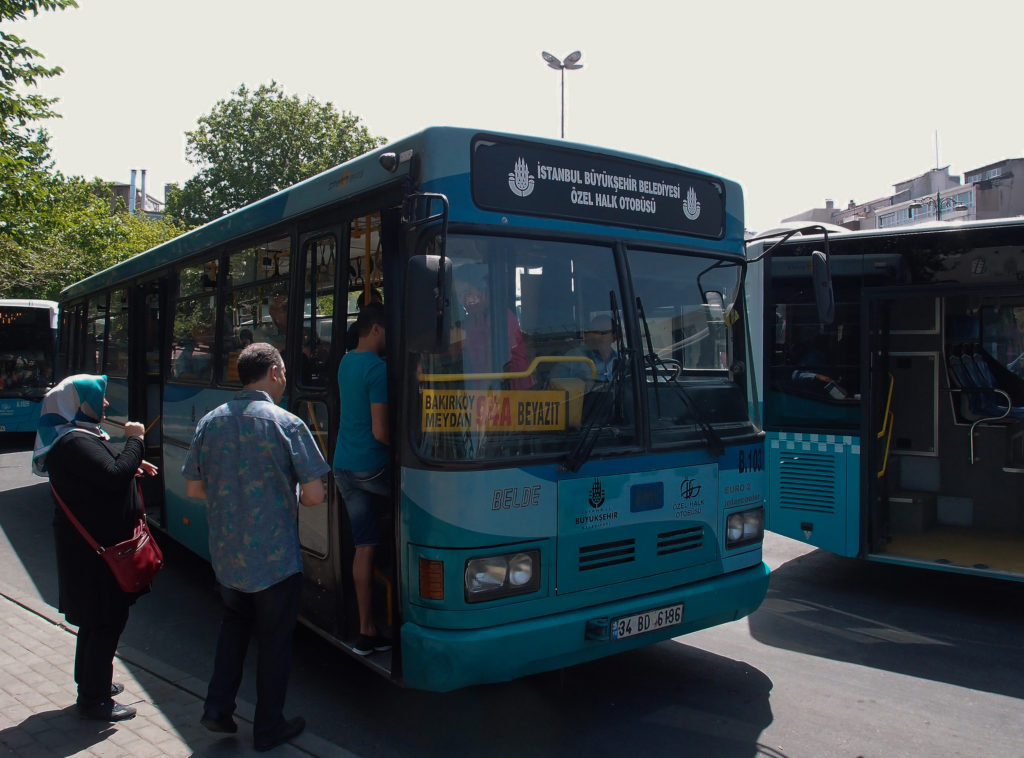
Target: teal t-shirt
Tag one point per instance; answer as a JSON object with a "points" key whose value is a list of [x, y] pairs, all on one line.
{"points": [[362, 380]]}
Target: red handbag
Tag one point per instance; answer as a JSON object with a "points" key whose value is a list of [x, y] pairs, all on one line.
{"points": [[133, 562]]}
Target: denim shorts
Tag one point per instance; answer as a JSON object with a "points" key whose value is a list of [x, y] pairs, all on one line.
{"points": [[360, 490]]}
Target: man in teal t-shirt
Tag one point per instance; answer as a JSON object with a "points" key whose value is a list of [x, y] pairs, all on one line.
{"points": [[361, 460]]}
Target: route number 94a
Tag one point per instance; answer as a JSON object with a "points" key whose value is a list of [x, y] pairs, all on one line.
{"points": [[751, 460]]}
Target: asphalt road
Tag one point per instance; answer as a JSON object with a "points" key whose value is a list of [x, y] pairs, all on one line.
{"points": [[845, 658]]}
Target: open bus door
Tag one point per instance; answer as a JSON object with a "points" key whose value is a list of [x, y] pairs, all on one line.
{"points": [[146, 393], [345, 265]]}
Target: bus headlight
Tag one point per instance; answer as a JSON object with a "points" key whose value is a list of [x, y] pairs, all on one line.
{"points": [[497, 576], [744, 527]]}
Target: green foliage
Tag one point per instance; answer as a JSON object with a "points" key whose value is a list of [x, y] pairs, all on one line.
{"points": [[54, 229], [258, 142], [62, 229], [19, 68]]}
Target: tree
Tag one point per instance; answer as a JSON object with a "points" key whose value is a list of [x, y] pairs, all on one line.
{"points": [[62, 230], [259, 142], [19, 68], [54, 229]]}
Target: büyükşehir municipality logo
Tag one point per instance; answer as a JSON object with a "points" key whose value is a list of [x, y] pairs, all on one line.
{"points": [[520, 181], [596, 498], [691, 208]]}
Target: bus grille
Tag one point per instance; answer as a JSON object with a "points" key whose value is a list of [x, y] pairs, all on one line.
{"points": [[807, 481], [680, 540], [607, 554]]}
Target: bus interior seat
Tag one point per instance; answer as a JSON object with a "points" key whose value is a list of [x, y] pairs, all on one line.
{"points": [[990, 395], [987, 390]]}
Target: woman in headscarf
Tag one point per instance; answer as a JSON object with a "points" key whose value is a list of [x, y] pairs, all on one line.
{"points": [[96, 481]]}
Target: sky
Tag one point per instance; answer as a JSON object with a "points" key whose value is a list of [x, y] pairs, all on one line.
{"points": [[796, 101]]}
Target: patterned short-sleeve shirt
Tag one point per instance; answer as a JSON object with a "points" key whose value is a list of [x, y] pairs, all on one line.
{"points": [[251, 455]]}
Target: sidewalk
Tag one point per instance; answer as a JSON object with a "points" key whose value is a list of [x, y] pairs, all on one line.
{"points": [[37, 699]]}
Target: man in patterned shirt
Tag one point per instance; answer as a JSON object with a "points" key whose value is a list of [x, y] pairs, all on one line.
{"points": [[246, 460]]}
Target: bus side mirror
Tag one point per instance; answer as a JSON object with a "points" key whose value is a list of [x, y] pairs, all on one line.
{"points": [[428, 283], [824, 297]]}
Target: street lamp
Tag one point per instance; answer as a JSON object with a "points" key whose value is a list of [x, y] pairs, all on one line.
{"points": [[951, 204], [570, 63]]}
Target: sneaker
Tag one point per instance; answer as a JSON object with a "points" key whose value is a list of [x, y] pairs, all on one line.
{"points": [[222, 724], [106, 710], [291, 728], [116, 688], [366, 645]]}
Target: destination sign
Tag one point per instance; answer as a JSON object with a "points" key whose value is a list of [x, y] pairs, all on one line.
{"points": [[540, 180], [493, 410]]}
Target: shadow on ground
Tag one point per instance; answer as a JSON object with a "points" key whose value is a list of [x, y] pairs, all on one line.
{"points": [[927, 624]]}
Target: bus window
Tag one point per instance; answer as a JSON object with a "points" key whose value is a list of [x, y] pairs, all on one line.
{"points": [[193, 330], [814, 368], [117, 335], [684, 305], [256, 307], [95, 335], [318, 312], [365, 270], [516, 378]]}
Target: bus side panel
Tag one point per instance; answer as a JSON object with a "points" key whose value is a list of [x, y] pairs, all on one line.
{"points": [[184, 405], [17, 415], [814, 489]]}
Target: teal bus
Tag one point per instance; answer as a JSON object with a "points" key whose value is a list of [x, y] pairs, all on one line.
{"points": [[28, 356], [545, 513], [896, 433]]}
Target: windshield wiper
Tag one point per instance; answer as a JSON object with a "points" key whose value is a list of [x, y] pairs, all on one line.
{"points": [[610, 398], [655, 364]]}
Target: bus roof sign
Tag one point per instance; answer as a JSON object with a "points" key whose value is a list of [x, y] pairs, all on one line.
{"points": [[541, 180]]}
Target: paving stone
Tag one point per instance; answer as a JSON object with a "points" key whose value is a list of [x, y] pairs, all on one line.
{"points": [[38, 716]]}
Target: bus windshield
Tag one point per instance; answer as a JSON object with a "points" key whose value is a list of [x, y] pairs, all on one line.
{"points": [[540, 350], [26, 351]]}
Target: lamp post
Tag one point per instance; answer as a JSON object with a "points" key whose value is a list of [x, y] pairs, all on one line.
{"points": [[570, 62], [951, 203]]}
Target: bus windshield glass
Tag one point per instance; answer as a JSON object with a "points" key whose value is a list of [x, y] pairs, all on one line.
{"points": [[26, 351], [540, 354]]}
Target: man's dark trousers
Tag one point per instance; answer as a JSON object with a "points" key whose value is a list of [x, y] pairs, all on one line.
{"points": [[270, 616]]}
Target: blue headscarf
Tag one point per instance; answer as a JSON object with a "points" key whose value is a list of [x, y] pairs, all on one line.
{"points": [[75, 404]]}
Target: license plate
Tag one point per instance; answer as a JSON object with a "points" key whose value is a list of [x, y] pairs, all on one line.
{"points": [[648, 621]]}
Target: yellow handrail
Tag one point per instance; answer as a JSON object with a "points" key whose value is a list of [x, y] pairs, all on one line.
{"points": [[888, 408], [887, 425], [513, 374]]}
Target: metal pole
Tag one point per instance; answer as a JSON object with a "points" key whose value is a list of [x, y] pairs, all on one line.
{"points": [[938, 206], [563, 103]]}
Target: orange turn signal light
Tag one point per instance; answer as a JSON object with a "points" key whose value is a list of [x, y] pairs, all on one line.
{"points": [[431, 579]]}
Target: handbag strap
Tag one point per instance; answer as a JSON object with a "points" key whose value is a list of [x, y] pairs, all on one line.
{"points": [[78, 525]]}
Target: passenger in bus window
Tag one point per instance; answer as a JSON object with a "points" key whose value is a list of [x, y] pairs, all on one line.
{"points": [[478, 356], [247, 459], [276, 331], [361, 461], [194, 359], [599, 347], [374, 296]]}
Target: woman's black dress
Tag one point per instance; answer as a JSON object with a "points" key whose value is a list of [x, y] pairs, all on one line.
{"points": [[97, 483]]}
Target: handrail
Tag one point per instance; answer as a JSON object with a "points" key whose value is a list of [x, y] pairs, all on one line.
{"points": [[1009, 407], [887, 426], [888, 441], [513, 374]]}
